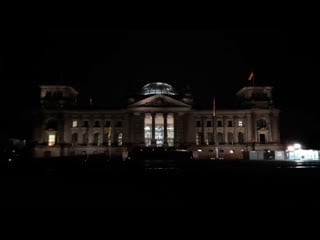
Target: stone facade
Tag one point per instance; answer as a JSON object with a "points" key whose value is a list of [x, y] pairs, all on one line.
{"points": [[156, 118]]}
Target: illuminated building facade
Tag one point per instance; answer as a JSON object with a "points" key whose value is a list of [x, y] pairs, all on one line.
{"points": [[156, 117]]}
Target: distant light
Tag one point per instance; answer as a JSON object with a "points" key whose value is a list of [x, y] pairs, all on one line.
{"points": [[199, 150], [297, 146], [290, 148], [232, 151]]}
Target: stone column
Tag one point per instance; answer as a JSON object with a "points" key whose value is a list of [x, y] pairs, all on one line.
{"points": [[153, 140], [176, 125], [165, 136]]}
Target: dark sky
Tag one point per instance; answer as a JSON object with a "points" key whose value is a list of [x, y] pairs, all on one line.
{"points": [[109, 61]]}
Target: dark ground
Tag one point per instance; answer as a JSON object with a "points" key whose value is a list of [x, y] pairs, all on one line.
{"points": [[159, 184]]}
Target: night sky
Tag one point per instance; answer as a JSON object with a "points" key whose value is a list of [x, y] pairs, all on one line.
{"points": [[110, 61]]}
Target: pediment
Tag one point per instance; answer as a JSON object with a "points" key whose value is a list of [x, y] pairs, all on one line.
{"points": [[159, 101]]}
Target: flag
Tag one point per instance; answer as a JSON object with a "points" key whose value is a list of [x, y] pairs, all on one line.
{"points": [[214, 106], [251, 76]]}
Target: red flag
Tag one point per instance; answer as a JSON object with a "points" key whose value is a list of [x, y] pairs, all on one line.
{"points": [[251, 76]]}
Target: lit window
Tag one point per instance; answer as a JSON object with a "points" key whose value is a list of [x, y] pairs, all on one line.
{"points": [[52, 140], [74, 124], [240, 123]]}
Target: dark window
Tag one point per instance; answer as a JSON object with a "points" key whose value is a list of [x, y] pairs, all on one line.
{"points": [[240, 138], [85, 138], [219, 123], [210, 137], [261, 123], [220, 138], [230, 124], [108, 124], [96, 124], [230, 138], [85, 123], [74, 138], [119, 124], [198, 123], [96, 139], [52, 124], [262, 138], [208, 123]]}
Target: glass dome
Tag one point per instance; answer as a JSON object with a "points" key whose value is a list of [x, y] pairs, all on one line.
{"points": [[158, 88]]}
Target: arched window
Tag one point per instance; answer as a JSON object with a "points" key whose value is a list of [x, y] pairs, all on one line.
{"points": [[240, 138], [108, 124], [96, 139], [85, 138], [74, 138], [261, 123], [220, 138], [52, 124], [96, 124], [230, 138]]}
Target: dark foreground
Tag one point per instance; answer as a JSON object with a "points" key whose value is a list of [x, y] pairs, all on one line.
{"points": [[160, 184]]}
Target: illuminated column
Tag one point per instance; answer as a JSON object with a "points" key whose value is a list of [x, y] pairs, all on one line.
{"points": [[153, 140], [175, 137], [165, 134]]}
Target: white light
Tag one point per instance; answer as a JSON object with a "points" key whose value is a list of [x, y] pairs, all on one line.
{"points": [[51, 139], [290, 148], [74, 124], [199, 150], [297, 146], [232, 151]]}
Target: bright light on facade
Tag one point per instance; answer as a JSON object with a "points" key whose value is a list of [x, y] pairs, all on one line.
{"points": [[51, 140], [74, 124]]}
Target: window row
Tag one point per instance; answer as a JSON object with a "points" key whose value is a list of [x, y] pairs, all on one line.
{"points": [[220, 123], [96, 140], [261, 123], [75, 124], [208, 139]]}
